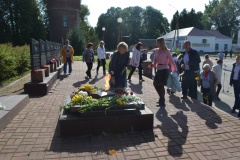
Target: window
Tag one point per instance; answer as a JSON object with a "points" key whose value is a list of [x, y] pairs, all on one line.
{"points": [[216, 47], [225, 47], [65, 21], [204, 41]]}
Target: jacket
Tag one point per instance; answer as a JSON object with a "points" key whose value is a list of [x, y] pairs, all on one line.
{"points": [[217, 69], [194, 60], [88, 56], [135, 60], [232, 74], [213, 81], [64, 53]]}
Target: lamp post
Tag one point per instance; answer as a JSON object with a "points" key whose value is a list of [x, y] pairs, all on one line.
{"points": [[103, 29], [176, 30], [119, 20]]}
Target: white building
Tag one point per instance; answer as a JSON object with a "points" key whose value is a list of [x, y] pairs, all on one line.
{"points": [[201, 40]]}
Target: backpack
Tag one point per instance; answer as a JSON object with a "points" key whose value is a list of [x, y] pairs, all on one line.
{"points": [[84, 55]]}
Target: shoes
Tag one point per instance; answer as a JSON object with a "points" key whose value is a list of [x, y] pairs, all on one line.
{"points": [[141, 80], [183, 97], [172, 92], [129, 80], [233, 111]]}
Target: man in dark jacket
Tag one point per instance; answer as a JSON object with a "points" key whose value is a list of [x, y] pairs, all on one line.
{"points": [[190, 65], [235, 82]]}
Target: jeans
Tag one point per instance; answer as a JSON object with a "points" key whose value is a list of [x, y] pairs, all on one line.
{"points": [[219, 87], [89, 68], [103, 62], [139, 72], [69, 63]]}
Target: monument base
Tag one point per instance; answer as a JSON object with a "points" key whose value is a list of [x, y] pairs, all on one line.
{"points": [[73, 124], [14, 104], [41, 89]]}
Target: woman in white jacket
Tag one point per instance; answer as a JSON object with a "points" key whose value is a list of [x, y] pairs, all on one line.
{"points": [[101, 57], [217, 69], [136, 62]]}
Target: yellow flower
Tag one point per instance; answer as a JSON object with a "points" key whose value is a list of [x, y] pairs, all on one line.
{"points": [[197, 78]]}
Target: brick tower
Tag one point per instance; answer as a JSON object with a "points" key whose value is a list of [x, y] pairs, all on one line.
{"points": [[63, 16]]}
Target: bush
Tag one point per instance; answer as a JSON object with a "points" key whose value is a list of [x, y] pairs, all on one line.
{"points": [[13, 60]]}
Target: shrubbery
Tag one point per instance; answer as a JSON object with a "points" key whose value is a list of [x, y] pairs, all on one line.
{"points": [[13, 60]]}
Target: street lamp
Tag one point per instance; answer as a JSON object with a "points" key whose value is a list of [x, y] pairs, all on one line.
{"points": [[103, 29], [176, 30], [119, 20]]}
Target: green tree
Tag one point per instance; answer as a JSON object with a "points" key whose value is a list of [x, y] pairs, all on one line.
{"points": [[21, 21], [154, 24], [187, 19]]}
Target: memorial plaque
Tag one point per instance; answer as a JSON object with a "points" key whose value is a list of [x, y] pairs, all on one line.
{"points": [[42, 52], [48, 52], [35, 55]]}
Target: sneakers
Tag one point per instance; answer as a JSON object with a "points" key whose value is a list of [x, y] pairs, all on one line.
{"points": [[141, 80], [129, 80]]}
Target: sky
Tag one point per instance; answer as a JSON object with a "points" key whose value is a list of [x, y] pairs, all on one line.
{"points": [[167, 7]]}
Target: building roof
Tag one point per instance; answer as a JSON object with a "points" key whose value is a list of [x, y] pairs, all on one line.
{"points": [[217, 34], [192, 31]]}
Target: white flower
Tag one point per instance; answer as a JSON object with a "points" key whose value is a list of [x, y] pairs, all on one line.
{"points": [[2, 107], [83, 93]]}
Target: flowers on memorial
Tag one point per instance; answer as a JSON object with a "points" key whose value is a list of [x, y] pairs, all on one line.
{"points": [[44, 66], [88, 88], [52, 61], [82, 98], [35, 71]]}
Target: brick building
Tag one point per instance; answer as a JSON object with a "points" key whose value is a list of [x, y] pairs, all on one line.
{"points": [[63, 15]]}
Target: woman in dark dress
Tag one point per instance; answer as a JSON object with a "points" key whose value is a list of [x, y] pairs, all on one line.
{"points": [[118, 65]]}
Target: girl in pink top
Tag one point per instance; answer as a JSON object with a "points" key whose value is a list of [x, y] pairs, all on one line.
{"points": [[162, 61]]}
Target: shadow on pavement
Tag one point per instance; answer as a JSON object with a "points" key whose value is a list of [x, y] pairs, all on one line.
{"points": [[169, 129], [79, 83], [136, 88], [223, 106], [178, 103], [204, 112], [94, 145]]}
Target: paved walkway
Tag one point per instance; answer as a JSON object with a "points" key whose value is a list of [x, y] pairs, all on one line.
{"points": [[182, 130]]}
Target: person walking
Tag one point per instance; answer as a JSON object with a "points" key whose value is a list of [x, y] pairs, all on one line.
{"points": [[67, 53], [208, 61], [235, 82], [208, 83], [190, 64], [217, 69], [101, 57], [136, 62], [118, 65], [161, 61], [89, 59], [221, 55]]}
